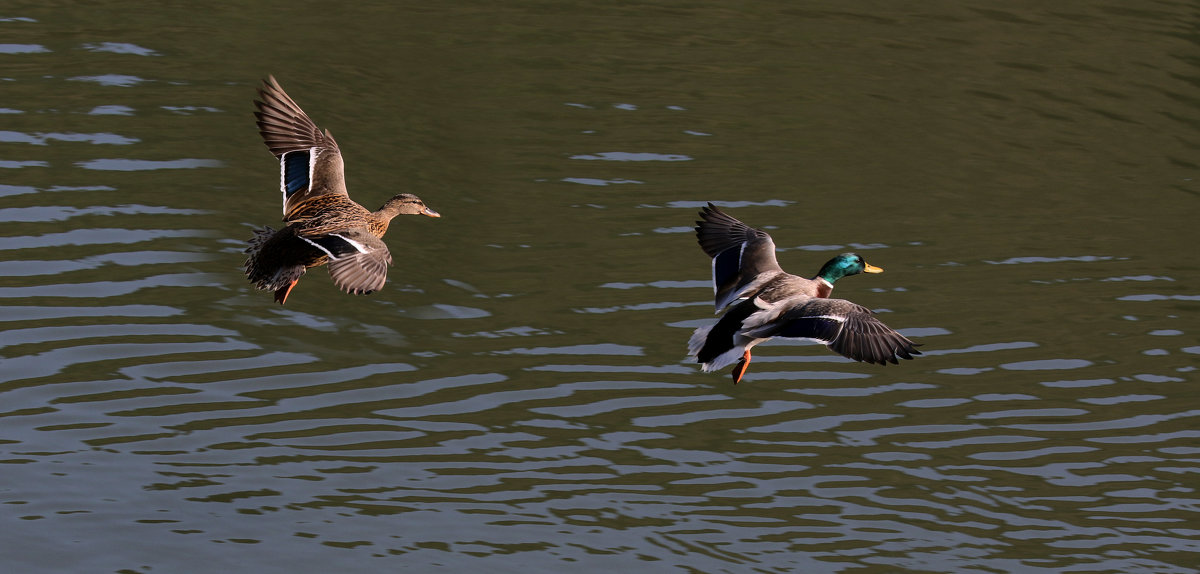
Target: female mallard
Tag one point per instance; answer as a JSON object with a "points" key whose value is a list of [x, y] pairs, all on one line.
{"points": [[774, 303], [323, 224]]}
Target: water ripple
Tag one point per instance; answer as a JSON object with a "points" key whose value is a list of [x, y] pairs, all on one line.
{"points": [[123, 164], [23, 49], [120, 48], [155, 405], [46, 138]]}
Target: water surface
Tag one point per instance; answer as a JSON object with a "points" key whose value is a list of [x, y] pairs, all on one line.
{"points": [[518, 394]]}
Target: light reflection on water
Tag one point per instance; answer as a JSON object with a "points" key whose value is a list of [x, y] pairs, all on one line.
{"points": [[518, 393]]}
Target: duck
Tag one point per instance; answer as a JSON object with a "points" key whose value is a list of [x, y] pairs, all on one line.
{"points": [[762, 301], [322, 225]]}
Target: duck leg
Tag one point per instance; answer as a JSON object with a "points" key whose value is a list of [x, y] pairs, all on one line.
{"points": [[740, 368], [281, 294]]}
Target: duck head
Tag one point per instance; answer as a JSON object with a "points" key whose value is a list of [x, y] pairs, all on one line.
{"points": [[844, 265], [407, 204]]}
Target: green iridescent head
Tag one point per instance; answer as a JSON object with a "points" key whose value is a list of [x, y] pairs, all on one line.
{"points": [[844, 265]]}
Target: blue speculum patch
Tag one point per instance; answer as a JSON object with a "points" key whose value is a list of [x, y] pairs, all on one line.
{"points": [[728, 263], [295, 171]]}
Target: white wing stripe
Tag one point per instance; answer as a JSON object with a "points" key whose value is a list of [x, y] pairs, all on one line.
{"points": [[313, 152], [359, 246], [332, 257], [283, 179], [714, 273], [821, 341]]}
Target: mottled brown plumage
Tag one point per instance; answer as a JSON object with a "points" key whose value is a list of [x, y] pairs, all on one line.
{"points": [[323, 225]]}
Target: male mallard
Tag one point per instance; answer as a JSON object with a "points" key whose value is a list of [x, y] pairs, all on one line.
{"points": [[323, 224], [774, 303]]}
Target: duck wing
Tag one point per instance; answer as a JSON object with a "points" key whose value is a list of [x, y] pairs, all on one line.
{"points": [[848, 329], [310, 163], [358, 260], [743, 257]]}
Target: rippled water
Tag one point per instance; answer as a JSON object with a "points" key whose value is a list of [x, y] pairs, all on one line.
{"points": [[518, 394]]}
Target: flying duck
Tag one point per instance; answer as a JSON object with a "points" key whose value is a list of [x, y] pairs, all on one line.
{"points": [[322, 224], [764, 301]]}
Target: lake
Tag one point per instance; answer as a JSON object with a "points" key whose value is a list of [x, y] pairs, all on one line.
{"points": [[517, 398]]}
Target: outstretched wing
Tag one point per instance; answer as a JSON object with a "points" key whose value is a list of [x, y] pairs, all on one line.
{"points": [[848, 329], [741, 254], [358, 260], [310, 163]]}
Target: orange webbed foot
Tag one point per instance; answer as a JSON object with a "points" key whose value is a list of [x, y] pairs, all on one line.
{"points": [[740, 368], [281, 294]]}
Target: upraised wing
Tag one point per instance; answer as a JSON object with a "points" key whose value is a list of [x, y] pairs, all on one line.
{"points": [[742, 256], [310, 163]]}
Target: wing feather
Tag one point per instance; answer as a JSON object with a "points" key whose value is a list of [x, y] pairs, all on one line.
{"points": [[742, 256], [848, 329], [310, 162]]}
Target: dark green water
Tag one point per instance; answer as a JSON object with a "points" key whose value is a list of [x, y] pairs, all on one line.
{"points": [[516, 399]]}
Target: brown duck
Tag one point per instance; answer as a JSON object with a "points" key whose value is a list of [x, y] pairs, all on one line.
{"points": [[765, 301], [323, 225]]}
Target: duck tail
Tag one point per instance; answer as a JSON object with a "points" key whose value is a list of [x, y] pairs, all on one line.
{"points": [[256, 270], [264, 274], [699, 337], [260, 238], [714, 349], [722, 344]]}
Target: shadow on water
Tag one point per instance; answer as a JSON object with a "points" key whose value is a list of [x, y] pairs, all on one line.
{"points": [[518, 392]]}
